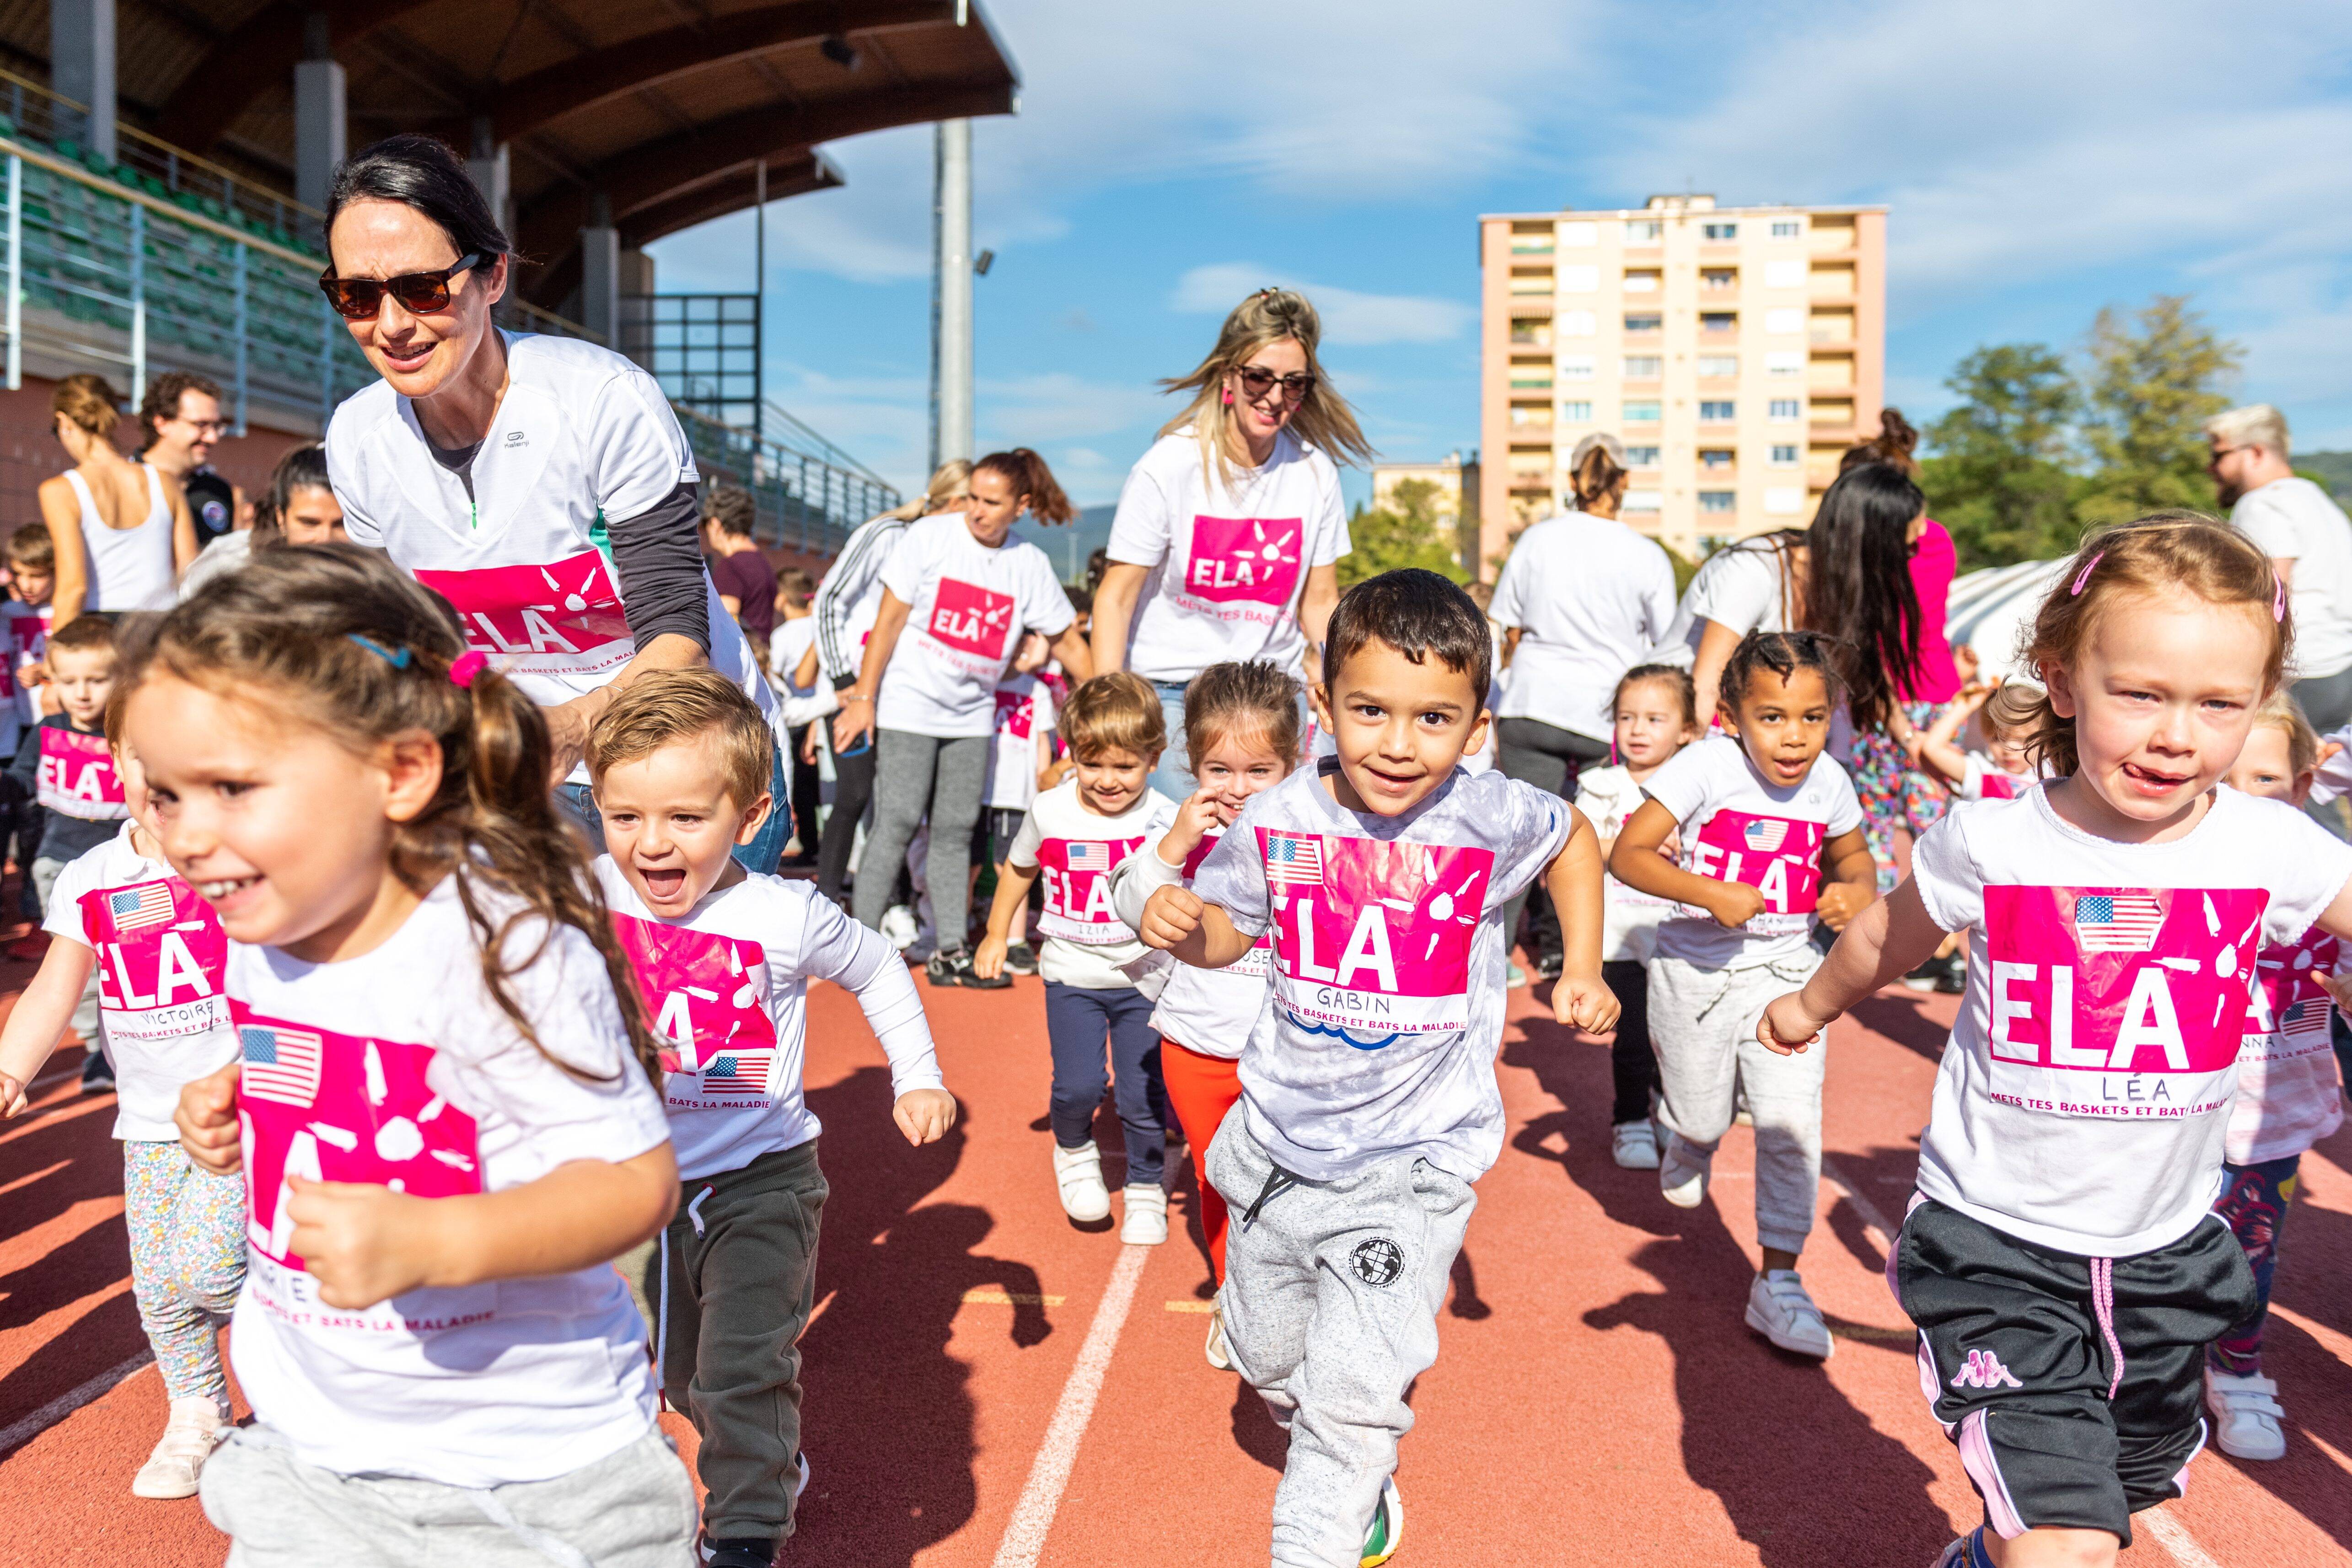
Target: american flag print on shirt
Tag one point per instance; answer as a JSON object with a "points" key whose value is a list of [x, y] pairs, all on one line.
{"points": [[279, 1064], [1295, 859], [2117, 922], [1766, 834], [2306, 1021], [134, 909], [739, 1072], [1087, 855]]}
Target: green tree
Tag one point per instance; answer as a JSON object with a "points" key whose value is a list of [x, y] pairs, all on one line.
{"points": [[2153, 381], [1410, 531], [1999, 479]]}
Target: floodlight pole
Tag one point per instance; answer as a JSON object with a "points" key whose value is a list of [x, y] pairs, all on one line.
{"points": [[952, 291]]}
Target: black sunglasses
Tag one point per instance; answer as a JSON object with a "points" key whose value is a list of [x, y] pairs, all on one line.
{"points": [[1258, 382], [419, 293]]}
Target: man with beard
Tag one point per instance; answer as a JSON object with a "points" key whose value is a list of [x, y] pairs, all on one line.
{"points": [[2310, 541], [180, 422]]}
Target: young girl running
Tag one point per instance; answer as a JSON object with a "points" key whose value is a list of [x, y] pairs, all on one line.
{"points": [[1765, 818], [444, 1104], [118, 909], [2287, 1098], [2003, 770], [1655, 715], [1241, 735], [2062, 1260]]}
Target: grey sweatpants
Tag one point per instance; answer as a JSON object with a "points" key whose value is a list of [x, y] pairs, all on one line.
{"points": [[1330, 1305], [1703, 1023], [732, 1284], [633, 1509], [912, 774]]}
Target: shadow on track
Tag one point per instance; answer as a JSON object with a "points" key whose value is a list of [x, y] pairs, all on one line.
{"points": [[890, 1418]]}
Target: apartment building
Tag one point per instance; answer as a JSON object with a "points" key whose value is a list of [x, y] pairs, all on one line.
{"points": [[1736, 351]]}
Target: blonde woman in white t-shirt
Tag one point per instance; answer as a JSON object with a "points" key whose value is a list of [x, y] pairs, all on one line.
{"points": [[121, 529], [1229, 531]]}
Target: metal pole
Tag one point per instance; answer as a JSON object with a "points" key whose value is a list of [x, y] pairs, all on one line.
{"points": [[760, 296], [954, 284], [243, 350], [137, 303], [16, 272]]}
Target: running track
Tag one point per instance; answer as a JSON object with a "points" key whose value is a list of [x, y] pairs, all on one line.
{"points": [[978, 1398]]}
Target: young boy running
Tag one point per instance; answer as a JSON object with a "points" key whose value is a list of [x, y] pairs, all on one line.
{"points": [[1369, 1101], [681, 765]]}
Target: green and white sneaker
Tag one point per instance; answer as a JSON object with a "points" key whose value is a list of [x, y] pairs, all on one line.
{"points": [[1387, 1533]]}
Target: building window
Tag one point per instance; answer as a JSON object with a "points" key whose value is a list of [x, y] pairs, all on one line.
{"points": [[1715, 458], [1641, 500], [1717, 411], [1531, 245], [1530, 282], [1579, 412], [1576, 367], [1722, 231], [1784, 501], [1718, 500], [1530, 381], [1576, 323], [1718, 321], [1643, 231], [1719, 367], [1784, 320], [1787, 408], [1579, 280], [1784, 362], [1784, 274], [1786, 228], [1718, 278], [1644, 367], [1784, 457], [1532, 331], [1641, 282], [1530, 414], [1644, 321], [1580, 233], [1642, 413], [1641, 457]]}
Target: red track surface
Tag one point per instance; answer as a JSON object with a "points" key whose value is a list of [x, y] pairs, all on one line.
{"points": [[1597, 1398]]}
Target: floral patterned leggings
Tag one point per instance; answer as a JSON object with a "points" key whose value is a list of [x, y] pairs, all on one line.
{"points": [[187, 1261], [2254, 1201], [1893, 794]]}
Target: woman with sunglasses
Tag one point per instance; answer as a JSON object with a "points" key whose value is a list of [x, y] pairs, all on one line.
{"points": [[1228, 533], [540, 484]]}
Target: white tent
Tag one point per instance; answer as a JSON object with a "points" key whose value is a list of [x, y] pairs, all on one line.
{"points": [[1991, 610]]}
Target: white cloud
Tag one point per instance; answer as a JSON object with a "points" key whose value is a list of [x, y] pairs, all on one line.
{"points": [[1350, 317]]}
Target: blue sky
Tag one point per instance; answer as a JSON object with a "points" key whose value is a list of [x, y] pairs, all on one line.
{"points": [[2040, 160]]}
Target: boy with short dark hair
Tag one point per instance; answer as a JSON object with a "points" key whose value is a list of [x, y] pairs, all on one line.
{"points": [[1369, 1101], [681, 764]]}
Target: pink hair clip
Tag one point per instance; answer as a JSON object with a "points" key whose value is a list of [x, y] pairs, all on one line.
{"points": [[2090, 566], [465, 667], [2278, 596]]}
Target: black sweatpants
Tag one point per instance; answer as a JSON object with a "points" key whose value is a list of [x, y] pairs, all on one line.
{"points": [[2073, 1386], [1632, 1060], [806, 786], [853, 790], [732, 1284]]}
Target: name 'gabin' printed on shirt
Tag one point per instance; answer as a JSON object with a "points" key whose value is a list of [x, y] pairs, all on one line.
{"points": [[1371, 940], [2118, 1001]]}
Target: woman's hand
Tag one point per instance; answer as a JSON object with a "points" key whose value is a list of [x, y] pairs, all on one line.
{"points": [[855, 720], [207, 1121], [568, 724], [808, 746], [924, 1115]]}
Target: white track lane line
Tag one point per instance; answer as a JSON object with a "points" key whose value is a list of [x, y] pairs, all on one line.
{"points": [[1863, 1206], [1049, 1474], [2174, 1537], [22, 1432]]}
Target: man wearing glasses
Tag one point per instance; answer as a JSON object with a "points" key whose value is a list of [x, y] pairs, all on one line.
{"points": [[180, 422], [2308, 539]]}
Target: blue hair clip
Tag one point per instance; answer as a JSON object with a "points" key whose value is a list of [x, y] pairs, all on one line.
{"points": [[398, 660]]}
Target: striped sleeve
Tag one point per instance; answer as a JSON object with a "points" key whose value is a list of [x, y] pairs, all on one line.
{"points": [[845, 587]]}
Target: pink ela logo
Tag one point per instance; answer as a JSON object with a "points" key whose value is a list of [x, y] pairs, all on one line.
{"points": [[1984, 1370], [975, 619], [557, 613], [1254, 559]]}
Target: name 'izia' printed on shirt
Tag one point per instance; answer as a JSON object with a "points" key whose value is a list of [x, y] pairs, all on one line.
{"points": [[1245, 558], [2119, 1002], [1076, 874], [1371, 940], [563, 617]]}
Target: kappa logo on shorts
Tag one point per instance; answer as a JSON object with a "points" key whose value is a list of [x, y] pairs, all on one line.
{"points": [[1378, 1261], [1984, 1370]]}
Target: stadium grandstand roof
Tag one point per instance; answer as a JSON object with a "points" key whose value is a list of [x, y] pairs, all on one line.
{"points": [[663, 107]]}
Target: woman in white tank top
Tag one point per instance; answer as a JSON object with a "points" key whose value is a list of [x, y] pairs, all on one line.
{"points": [[107, 561]]}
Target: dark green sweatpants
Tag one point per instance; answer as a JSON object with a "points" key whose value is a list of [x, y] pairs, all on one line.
{"points": [[733, 1285]]}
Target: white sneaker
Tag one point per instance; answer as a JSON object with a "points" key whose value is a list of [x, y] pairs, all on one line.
{"points": [[1215, 1349], [194, 1429], [1634, 1145], [1078, 1172], [1778, 1309], [898, 927], [1682, 1174], [1147, 1214], [2245, 1416]]}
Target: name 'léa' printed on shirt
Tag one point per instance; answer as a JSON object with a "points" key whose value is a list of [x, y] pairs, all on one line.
{"points": [[2119, 1002], [1371, 940]]}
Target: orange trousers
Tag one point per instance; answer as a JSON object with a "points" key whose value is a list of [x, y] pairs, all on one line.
{"points": [[1202, 1090]]}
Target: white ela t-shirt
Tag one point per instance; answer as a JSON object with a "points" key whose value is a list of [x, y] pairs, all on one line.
{"points": [[1075, 851], [398, 1069], [1588, 596], [2084, 1092], [1389, 959], [2287, 1094], [1209, 1012], [967, 608], [161, 954], [2294, 519], [1230, 560], [1742, 587], [1629, 918], [1024, 713], [727, 989], [582, 439], [1736, 827]]}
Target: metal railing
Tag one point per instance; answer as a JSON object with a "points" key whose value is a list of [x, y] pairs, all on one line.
{"points": [[806, 501]]}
